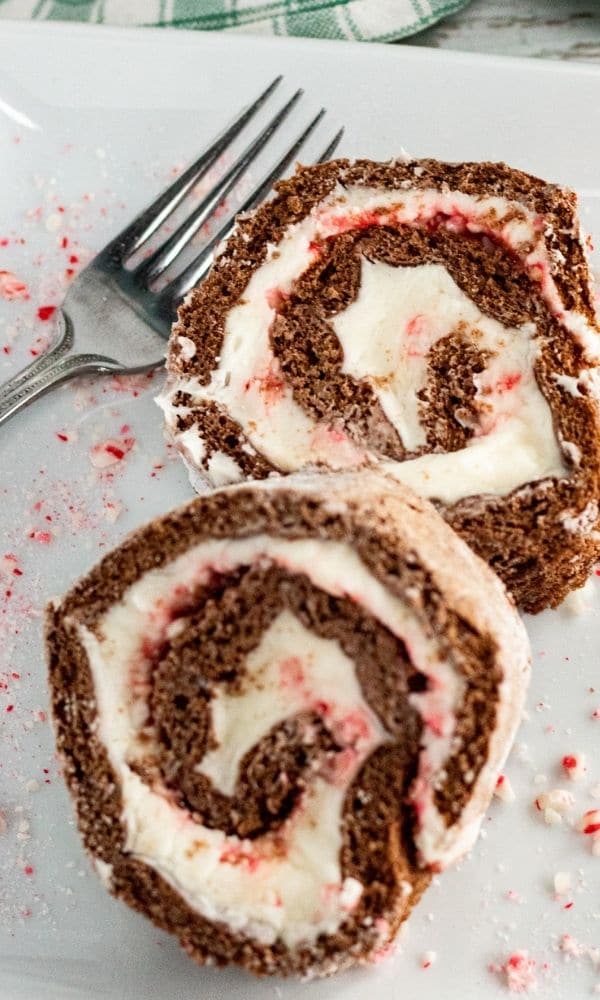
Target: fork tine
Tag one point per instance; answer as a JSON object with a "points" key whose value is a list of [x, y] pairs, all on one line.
{"points": [[148, 270], [174, 292], [326, 154], [148, 221]]}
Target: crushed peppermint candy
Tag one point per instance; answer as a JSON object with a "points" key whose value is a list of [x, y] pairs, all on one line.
{"points": [[427, 959], [107, 453], [574, 766], [572, 948], [519, 971], [12, 287], [562, 883], [514, 896], [554, 805], [504, 790], [589, 824]]}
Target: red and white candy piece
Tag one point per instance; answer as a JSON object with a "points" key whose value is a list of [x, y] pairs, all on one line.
{"points": [[519, 970], [589, 824], [572, 948], [554, 805], [573, 765], [504, 790]]}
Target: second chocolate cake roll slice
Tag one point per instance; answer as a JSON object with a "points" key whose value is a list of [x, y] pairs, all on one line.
{"points": [[280, 709], [434, 319]]}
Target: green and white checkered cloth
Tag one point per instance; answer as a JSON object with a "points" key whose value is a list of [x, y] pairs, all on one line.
{"points": [[358, 20]]}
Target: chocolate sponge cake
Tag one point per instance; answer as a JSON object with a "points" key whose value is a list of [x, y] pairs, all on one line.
{"points": [[280, 708], [432, 319]]}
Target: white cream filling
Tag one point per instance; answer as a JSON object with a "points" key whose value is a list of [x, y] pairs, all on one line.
{"points": [[223, 469], [248, 385], [192, 445], [290, 671], [406, 310], [245, 884], [187, 348]]}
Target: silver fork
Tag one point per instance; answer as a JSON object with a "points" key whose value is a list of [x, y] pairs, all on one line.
{"points": [[113, 307]]}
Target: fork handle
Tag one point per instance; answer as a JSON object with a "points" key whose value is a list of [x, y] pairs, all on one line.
{"points": [[45, 373], [63, 341]]}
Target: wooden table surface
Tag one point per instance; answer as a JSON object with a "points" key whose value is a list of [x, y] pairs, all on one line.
{"points": [[548, 29]]}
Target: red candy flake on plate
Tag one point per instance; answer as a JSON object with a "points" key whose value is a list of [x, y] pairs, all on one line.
{"points": [[554, 804], [519, 970], [504, 790], [110, 452], [45, 313], [43, 537], [573, 764], [590, 822], [12, 287]]}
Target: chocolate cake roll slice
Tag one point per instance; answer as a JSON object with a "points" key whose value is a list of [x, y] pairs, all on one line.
{"points": [[280, 709], [434, 319]]}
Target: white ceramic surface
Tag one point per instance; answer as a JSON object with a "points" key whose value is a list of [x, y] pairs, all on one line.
{"points": [[93, 122]]}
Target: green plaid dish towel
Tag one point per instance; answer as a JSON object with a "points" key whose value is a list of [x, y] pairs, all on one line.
{"points": [[358, 20]]}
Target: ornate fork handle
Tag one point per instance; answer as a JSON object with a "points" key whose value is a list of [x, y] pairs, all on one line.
{"points": [[49, 370], [119, 306]]}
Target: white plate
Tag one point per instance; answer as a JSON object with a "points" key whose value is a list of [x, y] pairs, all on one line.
{"points": [[99, 120]]}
